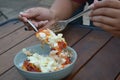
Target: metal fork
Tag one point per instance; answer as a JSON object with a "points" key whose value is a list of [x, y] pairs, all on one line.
{"points": [[61, 25]]}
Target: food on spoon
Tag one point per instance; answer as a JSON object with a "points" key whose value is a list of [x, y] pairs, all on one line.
{"points": [[56, 42], [57, 59]]}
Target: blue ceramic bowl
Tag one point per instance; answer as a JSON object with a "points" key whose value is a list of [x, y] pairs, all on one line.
{"points": [[57, 75]]}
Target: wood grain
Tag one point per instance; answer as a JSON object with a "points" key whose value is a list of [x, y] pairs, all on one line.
{"points": [[13, 39], [87, 47], [6, 59], [73, 34], [9, 28], [30, 41], [12, 76], [95, 49], [105, 65]]}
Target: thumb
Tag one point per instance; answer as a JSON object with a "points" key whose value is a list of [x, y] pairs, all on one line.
{"points": [[92, 5]]}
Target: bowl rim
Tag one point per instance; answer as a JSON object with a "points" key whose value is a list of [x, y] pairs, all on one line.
{"points": [[73, 62]]}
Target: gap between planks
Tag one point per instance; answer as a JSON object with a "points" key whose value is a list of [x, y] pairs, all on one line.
{"points": [[81, 32]]}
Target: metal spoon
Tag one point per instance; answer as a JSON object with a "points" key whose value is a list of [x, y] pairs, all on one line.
{"points": [[32, 25]]}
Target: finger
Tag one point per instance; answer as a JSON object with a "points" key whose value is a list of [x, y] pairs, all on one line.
{"points": [[38, 25], [38, 13], [109, 12], [29, 28], [108, 28], [49, 25], [42, 23], [105, 27], [92, 5], [104, 20], [116, 33], [30, 13], [108, 3], [24, 19]]}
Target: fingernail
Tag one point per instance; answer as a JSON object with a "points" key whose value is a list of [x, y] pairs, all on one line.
{"points": [[21, 13], [46, 21]]}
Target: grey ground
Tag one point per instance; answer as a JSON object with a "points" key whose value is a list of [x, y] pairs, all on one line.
{"points": [[11, 8]]}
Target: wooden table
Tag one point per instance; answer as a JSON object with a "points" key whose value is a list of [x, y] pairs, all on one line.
{"points": [[98, 52]]}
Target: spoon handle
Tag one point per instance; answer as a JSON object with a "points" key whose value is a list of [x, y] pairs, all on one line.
{"points": [[32, 25]]}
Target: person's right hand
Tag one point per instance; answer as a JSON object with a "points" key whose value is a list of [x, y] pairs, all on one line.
{"points": [[40, 17]]}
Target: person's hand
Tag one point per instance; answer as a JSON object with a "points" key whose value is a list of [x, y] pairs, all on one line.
{"points": [[92, 5], [40, 17], [106, 15]]}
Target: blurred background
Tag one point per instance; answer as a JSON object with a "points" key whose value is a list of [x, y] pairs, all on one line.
{"points": [[10, 9]]}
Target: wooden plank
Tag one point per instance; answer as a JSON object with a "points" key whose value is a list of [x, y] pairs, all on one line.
{"points": [[72, 34], [11, 53], [12, 76], [6, 59], [118, 78], [9, 28], [105, 65], [13, 39], [10, 23], [87, 47]]}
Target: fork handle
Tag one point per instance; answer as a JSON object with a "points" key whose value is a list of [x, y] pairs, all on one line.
{"points": [[78, 15]]}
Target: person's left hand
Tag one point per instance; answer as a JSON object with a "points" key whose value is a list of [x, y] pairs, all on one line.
{"points": [[106, 15]]}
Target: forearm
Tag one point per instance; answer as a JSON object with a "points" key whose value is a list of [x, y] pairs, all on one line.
{"points": [[63, 9]]}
